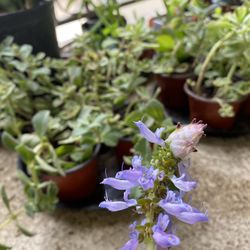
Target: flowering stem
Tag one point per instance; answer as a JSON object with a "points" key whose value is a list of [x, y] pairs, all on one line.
{"points": [[150, 244]]}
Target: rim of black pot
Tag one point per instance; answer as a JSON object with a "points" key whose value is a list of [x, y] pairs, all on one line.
{"points": [[41, 4], [189, 92], [83, 165]]}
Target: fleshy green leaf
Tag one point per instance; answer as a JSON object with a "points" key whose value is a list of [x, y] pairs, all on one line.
{"points": [[26, 153], [9, 141], [40, 122], [5, 198], [24, 231]]}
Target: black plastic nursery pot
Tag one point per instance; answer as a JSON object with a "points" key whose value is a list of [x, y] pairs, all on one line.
{"points": [[207, 110], [172, 93], [35, 26], [78, 184]]}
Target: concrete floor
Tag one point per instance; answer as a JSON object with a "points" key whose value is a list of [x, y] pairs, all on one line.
{"points": [[222, 167]]}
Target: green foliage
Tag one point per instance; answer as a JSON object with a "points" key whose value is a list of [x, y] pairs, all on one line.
{"points": [[225, 67]]}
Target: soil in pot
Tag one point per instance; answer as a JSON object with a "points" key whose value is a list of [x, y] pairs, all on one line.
{"points": [[207, 110], [172, 94], [79, 183]]}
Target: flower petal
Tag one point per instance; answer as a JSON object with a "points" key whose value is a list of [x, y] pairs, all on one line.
{"points": [[192, 217], [114, 206], [174, 208], [165, 240], [130, 175], [130, 245], [136, 161], [183, 185], [149, 135], [118, 184]]}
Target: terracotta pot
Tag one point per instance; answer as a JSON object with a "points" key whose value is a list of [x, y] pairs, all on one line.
{"points": [[172, 94], [207, 110], [79, 182], [123, 148], [245, 107]]}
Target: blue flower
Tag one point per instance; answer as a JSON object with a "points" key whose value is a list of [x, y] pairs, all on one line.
{"points": [[149, 135], [162, 238], [138, 175], [133, 243], [183, 184], [115, 206], [174, 205], [118, 184]]}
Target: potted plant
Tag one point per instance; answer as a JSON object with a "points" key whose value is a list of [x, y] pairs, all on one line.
{"points": [[178, 37], [30, 22], [223, 82], [156, 188], [60, 157]]}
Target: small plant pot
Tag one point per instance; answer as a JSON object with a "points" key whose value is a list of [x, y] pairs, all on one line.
{"points": [[207, 110], [79, 182], [123, 148], [35, 26], [245, 107], [172, 94]]}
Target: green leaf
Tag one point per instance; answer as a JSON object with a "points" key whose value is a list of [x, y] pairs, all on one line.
{"points": [[43, 165], [40, 122], [23, 177], [5, 198], [165, 42], [110, 138], [3, 247], [24, 231], [155, 109], [26, 153], [64, 149], [9, 141]]}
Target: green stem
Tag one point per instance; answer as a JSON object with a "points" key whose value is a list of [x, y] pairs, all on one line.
{"points": [[209, 57], [231, 71], [150, 244], [10, 218]]}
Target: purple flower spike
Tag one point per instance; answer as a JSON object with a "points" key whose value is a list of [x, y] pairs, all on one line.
{"points": [[149, 135], [118, 184], [182, 184], [115, 206], [162, 238], [133, 243]]}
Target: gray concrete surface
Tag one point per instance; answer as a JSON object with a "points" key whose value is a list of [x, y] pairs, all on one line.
{"points": [[222, 167]]}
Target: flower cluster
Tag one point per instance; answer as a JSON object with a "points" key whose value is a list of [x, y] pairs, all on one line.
{"points": [[162, 184]]}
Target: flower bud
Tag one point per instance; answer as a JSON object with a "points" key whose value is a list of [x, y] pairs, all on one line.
{"points": [[185, 138]]}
